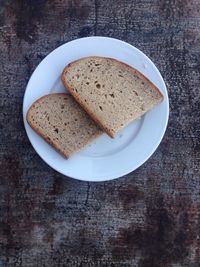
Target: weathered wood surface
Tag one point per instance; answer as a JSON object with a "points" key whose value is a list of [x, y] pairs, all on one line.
{"points": [[149, 218]]}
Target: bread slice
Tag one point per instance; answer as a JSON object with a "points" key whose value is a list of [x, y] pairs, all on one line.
{"points": [[62, 123], [111, 92]]}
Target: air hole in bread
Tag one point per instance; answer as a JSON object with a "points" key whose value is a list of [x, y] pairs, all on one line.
{"points": [[87, 83], [101, 108], [98, 85], [135, 93], [112, 95], [56, 130]]}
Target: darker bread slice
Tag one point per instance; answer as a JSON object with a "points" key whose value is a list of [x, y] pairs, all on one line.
{"points": [[113, 93], [62, 123]]}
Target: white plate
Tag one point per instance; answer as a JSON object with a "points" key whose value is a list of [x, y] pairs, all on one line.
{"points": [[106, 158]]}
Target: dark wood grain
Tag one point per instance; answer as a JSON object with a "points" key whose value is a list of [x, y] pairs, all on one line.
{"points": [[149, 218]]}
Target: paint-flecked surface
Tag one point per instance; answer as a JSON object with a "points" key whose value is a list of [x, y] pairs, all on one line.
{"points": [[149, 218]]}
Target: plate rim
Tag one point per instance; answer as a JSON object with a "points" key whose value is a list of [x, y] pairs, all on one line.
{"points": [[115, 175]]}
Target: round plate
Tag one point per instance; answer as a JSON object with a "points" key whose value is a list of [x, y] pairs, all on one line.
{"points": [[106, 158]]}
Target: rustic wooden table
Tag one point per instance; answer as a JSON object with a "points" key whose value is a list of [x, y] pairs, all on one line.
{"points": [[149, 218]]}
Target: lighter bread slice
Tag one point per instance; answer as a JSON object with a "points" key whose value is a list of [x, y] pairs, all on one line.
{"points": [[62, 123], [113, 93]]}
